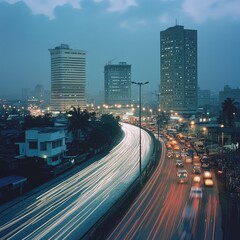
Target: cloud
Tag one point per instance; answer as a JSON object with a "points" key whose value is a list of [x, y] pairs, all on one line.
{"points": [[133, 24], [164, 18], [203, 10], [46, 7], [119, 5]]}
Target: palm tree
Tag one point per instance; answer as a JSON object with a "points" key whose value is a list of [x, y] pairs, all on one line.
{"points": [[228, 110], [78, 124]]}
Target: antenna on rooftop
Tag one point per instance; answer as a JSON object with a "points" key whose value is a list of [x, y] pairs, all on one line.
{"points": [[110, 61], [176, 21]]}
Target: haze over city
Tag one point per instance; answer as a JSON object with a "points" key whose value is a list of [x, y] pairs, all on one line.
{"points": [[115, 30]]}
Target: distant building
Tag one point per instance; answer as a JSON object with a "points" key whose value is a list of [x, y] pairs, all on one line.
{"points": [[68, 78], [179, 78], [117, 83], [204, 97], [229, 92]]}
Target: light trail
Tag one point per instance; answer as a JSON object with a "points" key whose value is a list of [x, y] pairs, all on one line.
{"points": [[70, 208]]}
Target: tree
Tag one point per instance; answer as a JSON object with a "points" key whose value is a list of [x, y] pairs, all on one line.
{"points": [[228, 110], [163, 119], [78, 124], [110, 125], [38, 121]]}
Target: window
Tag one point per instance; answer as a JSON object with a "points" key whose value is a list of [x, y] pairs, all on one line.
{"points": [[43, 146], [33, 145], [57, 143]]}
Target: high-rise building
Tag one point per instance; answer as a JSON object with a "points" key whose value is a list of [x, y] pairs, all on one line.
{"points": [[68, 78], [117, 83], [178, 57]]}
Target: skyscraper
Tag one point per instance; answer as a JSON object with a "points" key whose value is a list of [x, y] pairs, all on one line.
{"points": [[68, 78], [178, 57], [117, 83]]}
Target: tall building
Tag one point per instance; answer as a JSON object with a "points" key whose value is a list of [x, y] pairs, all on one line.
{"points": [[117, 83], [178, 57], [68, 78]]}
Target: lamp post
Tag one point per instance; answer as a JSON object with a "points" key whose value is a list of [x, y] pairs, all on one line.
{"points": [[140, 127], [222, 138], [158, 110], [204, 133]]}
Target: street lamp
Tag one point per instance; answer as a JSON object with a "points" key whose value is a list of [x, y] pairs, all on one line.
{"points": [[222, 126], [158, 110], [204, 133], [140, 127]]}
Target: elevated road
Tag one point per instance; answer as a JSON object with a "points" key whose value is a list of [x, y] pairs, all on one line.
{"points": [[68, 209]]}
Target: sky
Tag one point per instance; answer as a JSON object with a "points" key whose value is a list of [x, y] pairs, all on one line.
{"points": [[115, 31]]}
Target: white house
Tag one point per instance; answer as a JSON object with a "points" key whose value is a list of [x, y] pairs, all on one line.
{"points": [[46, 143]]}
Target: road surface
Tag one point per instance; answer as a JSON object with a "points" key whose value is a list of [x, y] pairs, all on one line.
{"points": [[69, 208], [164, 210]]}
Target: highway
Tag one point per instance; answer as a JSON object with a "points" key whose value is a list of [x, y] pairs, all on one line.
{"points": [[164, 210], [69, 208]]}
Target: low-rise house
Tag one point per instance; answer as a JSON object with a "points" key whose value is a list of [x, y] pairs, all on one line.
{"points": [[47, 144]]}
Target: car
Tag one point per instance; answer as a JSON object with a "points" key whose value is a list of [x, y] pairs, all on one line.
{"points": [[196, 169], [179, 163], [205, 164], [197, 179], [207, 175], [177, 155], [182, 172], [196, 192], [188, 159], [182, 178], [196, 159], [208, 182], [169, 155]]}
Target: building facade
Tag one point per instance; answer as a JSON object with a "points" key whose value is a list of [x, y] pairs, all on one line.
{"points": [[47, 144], [204, 97], [68, 78], [178, 69], [117, 83]]}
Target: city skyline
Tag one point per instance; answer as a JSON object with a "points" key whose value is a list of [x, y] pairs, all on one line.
{"points": [[127, 31]]}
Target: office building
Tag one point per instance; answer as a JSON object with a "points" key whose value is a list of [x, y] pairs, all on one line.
{"points": [[204, 97], [68, 78], [229, 92], [178, 69], [117, 83]]}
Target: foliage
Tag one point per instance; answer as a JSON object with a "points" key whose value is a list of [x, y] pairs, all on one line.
{"points": [[162, 119], [228, 110], [78, 122], [96, 132], [110, 126], [38, 121]]}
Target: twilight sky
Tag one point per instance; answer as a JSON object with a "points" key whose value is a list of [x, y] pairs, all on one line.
{"points": [[122, 30]]}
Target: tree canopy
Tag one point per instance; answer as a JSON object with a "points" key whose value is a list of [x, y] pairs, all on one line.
{"points": [[229, 109]]}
